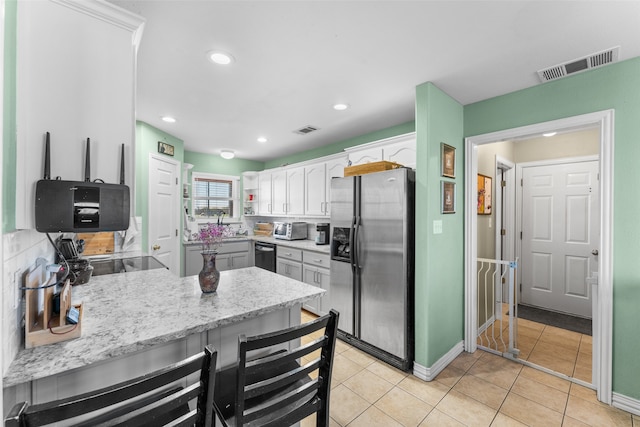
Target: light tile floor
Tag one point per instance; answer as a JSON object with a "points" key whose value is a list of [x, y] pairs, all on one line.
{"points": [[479, 389], [567, 352]]}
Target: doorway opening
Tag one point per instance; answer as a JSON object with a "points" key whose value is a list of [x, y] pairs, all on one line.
{"points": [[600, 285]]}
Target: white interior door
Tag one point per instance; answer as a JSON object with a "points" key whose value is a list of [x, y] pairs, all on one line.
{"points": [[164, 206], [560, 235]]}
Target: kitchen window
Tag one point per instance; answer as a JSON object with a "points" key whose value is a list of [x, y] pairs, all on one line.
{"points": [[214, 195]]}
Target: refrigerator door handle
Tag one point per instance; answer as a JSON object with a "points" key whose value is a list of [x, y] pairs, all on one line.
{"points": [[354, 247], [352, 256]]}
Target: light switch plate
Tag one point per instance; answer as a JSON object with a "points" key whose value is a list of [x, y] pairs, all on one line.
{"points": [[437, 226]]}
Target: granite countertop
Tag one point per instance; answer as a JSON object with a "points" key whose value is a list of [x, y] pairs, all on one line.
{"points": [[307, 245], [125, 313]]}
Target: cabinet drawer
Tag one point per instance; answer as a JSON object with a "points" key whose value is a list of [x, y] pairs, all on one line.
{"points": [[315, 258], [289, 253], [229, 247]]}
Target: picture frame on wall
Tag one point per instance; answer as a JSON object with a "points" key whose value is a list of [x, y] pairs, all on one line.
{"points": [[165, 148], [448, 156], [448, 196], [485, 195]]}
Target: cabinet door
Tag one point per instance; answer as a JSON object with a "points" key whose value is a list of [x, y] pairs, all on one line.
{"points": [[310, 276], [289, 268], [279, 192], [193, 260], [334, 169], [295, 191], [367, 155], [239, 260], [320, 278], [315, 189], [402, 152], [223, 262], [264, 190]]}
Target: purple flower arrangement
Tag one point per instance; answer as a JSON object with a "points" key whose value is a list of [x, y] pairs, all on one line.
{"points": [[210, 235]]}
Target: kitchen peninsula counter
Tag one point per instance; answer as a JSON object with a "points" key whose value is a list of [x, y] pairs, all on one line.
{"points": [[133, 313]]}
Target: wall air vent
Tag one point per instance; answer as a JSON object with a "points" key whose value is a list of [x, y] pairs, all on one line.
{"points": [[597, 59], [305, 130]]}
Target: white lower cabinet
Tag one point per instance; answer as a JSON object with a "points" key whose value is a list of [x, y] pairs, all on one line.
{"points": [[231, 255], [316, 273], [289, 262]]}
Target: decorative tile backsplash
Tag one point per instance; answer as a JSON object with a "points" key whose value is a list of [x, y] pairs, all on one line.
{"points": [[21, 250]]}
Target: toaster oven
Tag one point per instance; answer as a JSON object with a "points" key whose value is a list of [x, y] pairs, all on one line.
{"points": [[290, 230]]}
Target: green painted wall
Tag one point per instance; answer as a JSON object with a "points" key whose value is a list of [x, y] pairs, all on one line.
{"points": [[211, 163], [147, 138], [341, 145], [439, 282], [616, 86], [9, 141]]}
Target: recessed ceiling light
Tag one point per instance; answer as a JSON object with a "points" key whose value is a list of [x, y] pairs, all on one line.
{"points": [[168, 119], [219, 57], [340, 107], [549, 134], [227, 154], [262, 139]]}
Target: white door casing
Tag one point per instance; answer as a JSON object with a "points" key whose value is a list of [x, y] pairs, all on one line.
{"points": [[164, 205], [603, 288], [560, 234]]}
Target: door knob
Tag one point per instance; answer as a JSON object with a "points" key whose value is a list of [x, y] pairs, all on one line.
{"points": [[594, 252], [155, 247]]}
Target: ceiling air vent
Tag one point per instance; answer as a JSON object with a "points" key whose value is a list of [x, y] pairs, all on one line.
{"points": [[305, 130], [591, 61]]}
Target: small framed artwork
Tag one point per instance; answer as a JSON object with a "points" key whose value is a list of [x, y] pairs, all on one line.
{"points": [[165, 148], [448, 156], [484, 195], [448, 197]]}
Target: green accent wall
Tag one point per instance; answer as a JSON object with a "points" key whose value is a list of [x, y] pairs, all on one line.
{"points": [[211, 163], [9, 138], [337, 147], [439, 275], [147, 138], [615, 86]]}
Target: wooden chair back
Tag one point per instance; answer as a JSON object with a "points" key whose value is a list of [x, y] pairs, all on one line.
{"points": [[281, 377], [159, 398]]}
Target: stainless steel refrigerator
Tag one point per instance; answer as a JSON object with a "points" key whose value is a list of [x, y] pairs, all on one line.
{"points": [[372, 262]]}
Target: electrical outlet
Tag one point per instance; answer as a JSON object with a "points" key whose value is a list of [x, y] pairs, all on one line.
{"points": [[437, 227]]}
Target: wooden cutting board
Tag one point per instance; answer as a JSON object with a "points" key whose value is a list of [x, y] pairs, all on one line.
{"points": [[97, 243]]}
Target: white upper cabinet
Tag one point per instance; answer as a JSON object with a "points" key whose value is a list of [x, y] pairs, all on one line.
{"points": [[403, 151], [279, 192], [295, 191], [76, 67], [318, 184], [315, 191], [264, 193], [366, 155]]}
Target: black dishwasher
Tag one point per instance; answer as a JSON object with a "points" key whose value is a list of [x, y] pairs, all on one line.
{"points": [[265, 254]]}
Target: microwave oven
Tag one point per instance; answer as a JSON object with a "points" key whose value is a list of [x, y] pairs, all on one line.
{"points": [[290, 230]]}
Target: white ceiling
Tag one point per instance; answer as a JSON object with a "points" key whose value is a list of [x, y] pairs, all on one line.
{"points": [[295, 59]]}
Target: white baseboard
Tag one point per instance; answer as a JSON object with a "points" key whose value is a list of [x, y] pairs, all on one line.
{"points": [[429, 374], [625, 403]]}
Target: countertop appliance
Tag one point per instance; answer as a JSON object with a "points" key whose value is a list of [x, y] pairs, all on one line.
{"points": [[372, 263], [290, 230], [265, 255], [125, 265], [322, 238]]}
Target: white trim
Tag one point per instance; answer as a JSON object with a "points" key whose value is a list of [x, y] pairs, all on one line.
{"points": [[109, 13], [603, 327], [398, 138], [626, 403], [429, 374], [2, 316], [508, 252]]}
